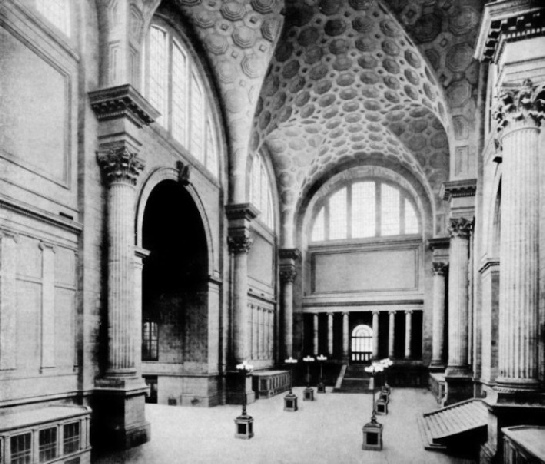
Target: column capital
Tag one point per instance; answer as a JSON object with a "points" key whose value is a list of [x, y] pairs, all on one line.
{"points": [[439, 268], [122, 101], [329, 314], [460, 227], [345, 313], [376, 313], [120, 164], [408, 312], [392, 313], [239, 243], [287, 273], [520, 105]]}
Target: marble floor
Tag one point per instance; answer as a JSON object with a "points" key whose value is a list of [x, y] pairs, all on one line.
{"points": [[324, 431]]}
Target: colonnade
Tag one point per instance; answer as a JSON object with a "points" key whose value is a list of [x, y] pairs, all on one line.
{"points": [[327, 348]]}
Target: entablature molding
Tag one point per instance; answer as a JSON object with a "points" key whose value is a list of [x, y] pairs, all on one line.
{"points": [[122, 101], [458, 189], [508, 20], [334, 309]]}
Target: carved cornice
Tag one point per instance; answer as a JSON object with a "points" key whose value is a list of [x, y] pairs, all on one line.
{"points": [[119, 164], [520, 104], [439, 243], [508, 20], [459, 188], [245, 211], [122, 101], [460, 227], [439, 268], [239, 243], [289, 253]]}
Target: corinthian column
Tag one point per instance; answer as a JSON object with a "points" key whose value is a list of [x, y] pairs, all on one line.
{"points": [[288, 273], [315, 345], [438, 322], [520, 113], [375, 334], [239, 240], [457, 297], [121, 168], [391, 334], [346, 337], [330, 334], [408, 333]]}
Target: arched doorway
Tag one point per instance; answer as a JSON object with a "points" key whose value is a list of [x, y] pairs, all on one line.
{"points": [[361, 344], [174, 291]]}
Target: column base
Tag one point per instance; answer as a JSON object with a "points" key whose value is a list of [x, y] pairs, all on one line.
{"points": [[459, 385], [508, 409], [119, 420], [237, 387]]}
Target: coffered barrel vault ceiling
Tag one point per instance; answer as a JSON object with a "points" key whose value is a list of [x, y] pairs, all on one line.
{"points": [[357, 78], [349, 80]]}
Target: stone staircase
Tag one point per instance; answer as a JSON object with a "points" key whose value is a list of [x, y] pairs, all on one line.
{"points": [[354, 380]]}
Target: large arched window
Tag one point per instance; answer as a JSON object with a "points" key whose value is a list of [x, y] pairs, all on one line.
{"points": [[57, 12], [260, 191], [365, 209], [173, 85]]}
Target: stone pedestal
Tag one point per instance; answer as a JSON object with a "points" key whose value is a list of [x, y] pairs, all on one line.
{"points": [[244, 427], [308, 394], [381, 406], [372, 436], [290, 402]]}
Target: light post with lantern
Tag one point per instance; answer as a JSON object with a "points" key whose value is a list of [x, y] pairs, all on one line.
{"points": [[290, 400], [308, 393], [321, 387], [244, 423], [372, 431]]}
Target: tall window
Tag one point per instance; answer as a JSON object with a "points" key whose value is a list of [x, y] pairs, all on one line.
{"points": [[365, 209], [71, 437], [174, 87], [21, 449], [150, 351], [260, 191], [48, 444], [57, 12]]}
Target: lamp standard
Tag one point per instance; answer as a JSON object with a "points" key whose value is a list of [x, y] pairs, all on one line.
{"points": [[373, 369], [290, 400], [321, 387], [372, 431], [309, 392], [386, 363], [244, 423]]}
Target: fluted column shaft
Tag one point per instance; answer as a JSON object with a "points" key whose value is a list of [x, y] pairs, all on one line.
{"points": [[346, 337], [315, 345], [391, 334], [375, 334], [121, 168], [330, 334], [458, 296], [288, 274], [519, 256], [408, 333], [240, 216], [438, 320]]}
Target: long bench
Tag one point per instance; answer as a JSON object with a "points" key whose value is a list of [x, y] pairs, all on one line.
{"points": [[270, 383]]}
